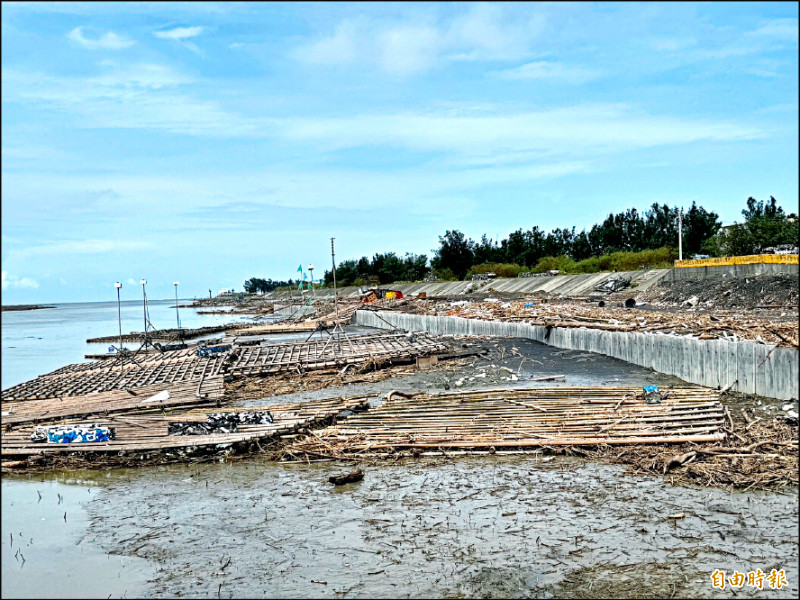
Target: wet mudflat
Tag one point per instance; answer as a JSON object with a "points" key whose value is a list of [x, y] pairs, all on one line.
{"points": [[508, 362], [467, 527], [49, 547]]}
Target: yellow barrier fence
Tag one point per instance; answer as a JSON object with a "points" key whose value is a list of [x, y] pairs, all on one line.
{"points": [[722, 261]]}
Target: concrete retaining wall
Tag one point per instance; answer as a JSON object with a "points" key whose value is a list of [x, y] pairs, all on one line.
{"points": [[730, 271], [752, 368]]}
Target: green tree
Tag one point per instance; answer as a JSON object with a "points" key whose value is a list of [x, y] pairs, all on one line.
{"points": [[768, 224], [698, 226], [454, 253], [487, 251]]}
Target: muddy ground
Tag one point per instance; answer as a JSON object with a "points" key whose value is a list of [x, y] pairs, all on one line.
{"points": [[537, 525], [474, 527]]}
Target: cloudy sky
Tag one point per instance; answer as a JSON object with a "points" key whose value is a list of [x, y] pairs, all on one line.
{"points": [[208, 143]]}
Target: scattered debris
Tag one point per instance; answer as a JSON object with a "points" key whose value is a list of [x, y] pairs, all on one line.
{"points": [[220, 423], [351, 477], [652, 395], [613, 284], [731, 327], [78, 433]]}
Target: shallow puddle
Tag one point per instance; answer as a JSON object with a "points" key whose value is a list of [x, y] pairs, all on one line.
{"points": [[50, 546]]}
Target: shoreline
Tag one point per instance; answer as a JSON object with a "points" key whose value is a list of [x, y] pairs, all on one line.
{"points": [[15, 307]]}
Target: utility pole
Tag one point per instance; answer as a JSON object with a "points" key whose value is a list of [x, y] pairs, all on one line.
{"points": [[144, 309], [119, 315], [177, 316], [335, 295], [680, 234]]}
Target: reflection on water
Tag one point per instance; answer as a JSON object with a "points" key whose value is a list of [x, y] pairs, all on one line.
{"points": [[49, 548]]}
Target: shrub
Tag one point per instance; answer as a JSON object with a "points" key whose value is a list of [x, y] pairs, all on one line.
{"points": [[550, 263], [499, 269], [445, 275]]}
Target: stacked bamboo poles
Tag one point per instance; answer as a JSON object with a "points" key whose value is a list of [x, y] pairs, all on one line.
{"points": [[523, 418], [139, 400], [331, 352], [163, 334], [136, 433], [100, 376]]}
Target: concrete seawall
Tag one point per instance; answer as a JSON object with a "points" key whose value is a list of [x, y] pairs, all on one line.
{"points": [[729, 271], [747, 367]]}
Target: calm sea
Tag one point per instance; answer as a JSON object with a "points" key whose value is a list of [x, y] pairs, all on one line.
{"points": [[35, 342]]}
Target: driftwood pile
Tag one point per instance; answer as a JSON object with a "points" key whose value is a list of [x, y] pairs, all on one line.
{"points": [[582, 314], [757, 454]]}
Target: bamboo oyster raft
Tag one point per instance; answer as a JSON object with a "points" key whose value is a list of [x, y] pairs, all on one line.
{"points": [[520, 418]]}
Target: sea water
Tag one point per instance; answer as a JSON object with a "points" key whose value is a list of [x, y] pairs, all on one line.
{"points": [[35, 342]]}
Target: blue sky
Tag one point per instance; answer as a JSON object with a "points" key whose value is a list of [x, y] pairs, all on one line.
{"points": [[208, 143]]}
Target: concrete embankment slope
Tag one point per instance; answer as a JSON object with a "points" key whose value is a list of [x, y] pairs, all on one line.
{"points": [[746, 367], [559, 285]]}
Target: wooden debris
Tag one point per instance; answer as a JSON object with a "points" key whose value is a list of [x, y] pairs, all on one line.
{"points": [[577, 314], [351, 477]]}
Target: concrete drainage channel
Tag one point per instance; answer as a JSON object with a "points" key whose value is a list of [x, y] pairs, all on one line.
{"points": [[743, 366]]}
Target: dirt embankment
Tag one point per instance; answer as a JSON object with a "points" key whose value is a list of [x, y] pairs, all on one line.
{"points": [[764, 292]]}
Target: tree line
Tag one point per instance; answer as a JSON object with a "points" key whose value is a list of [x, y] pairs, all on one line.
{"points": [[625, 240], [257, 284]]}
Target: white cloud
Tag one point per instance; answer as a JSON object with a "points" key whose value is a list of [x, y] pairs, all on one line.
{"points": [[9, 281], [108, 41], [786, 29], [179, 33], [576, 130], [408, 50], [484, 32], [138, 97], [338, 49], [145, 75], [671, 44], [551, 71]]}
